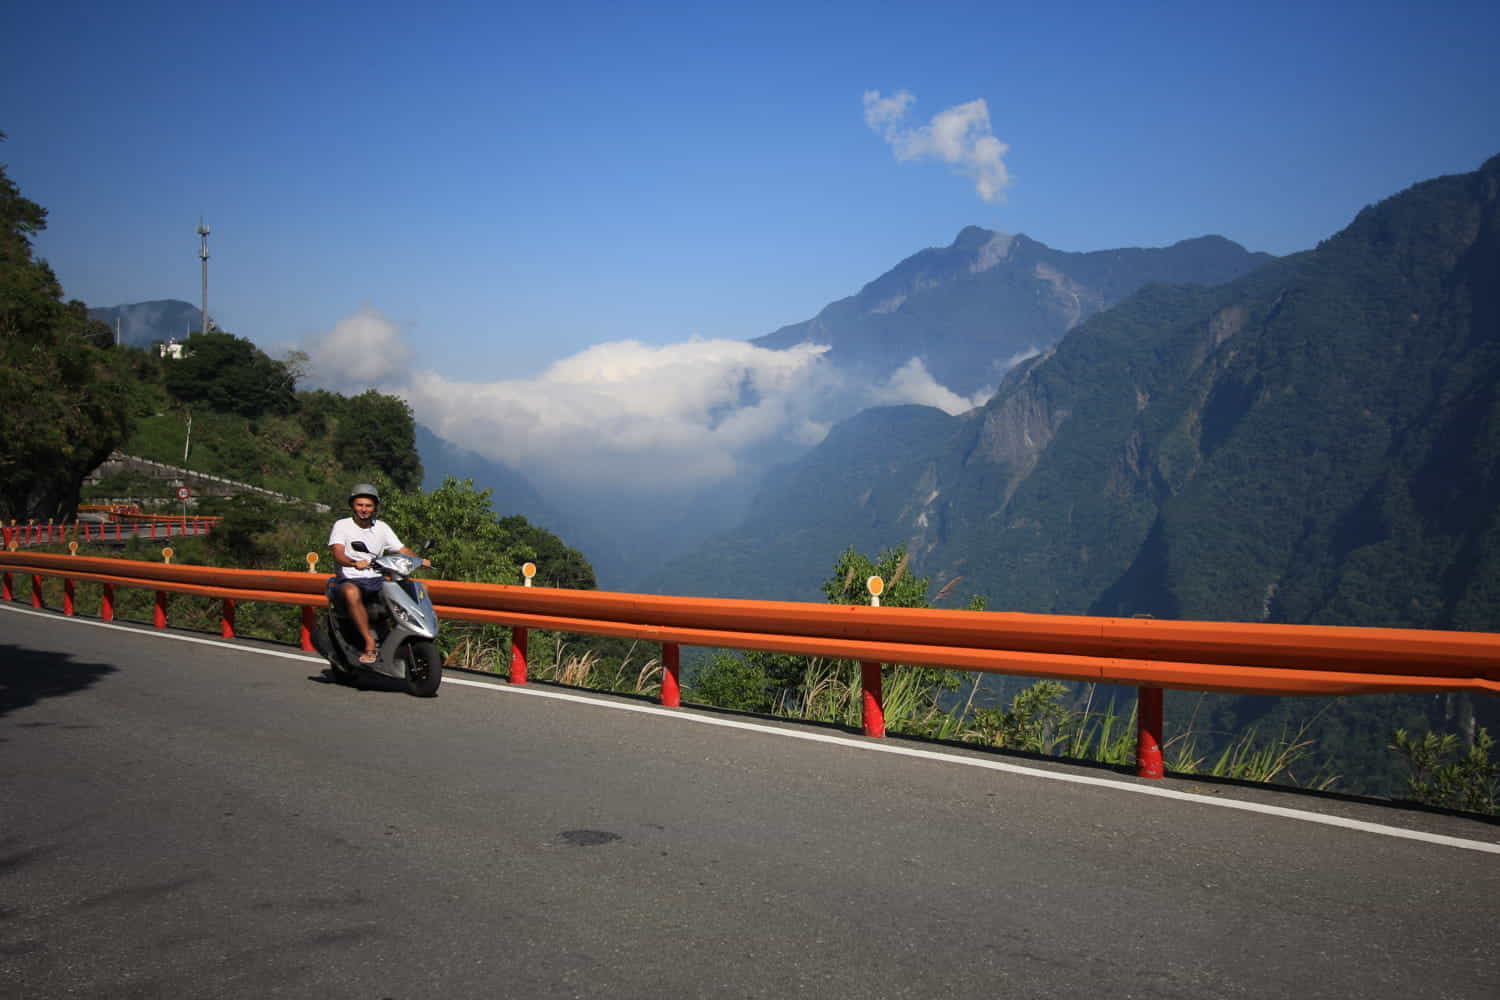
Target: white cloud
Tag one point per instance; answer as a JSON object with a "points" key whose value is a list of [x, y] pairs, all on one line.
{"points": [[912, 383], [620, 415], [361, 351], [626, 417], [959, 136], [1020, 356]]}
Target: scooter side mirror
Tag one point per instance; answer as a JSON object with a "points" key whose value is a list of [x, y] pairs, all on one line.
{"points": [[359, 547]]}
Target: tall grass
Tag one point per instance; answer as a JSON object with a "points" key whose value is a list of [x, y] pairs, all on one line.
{"points": [[551, 658], [1040, 720]]}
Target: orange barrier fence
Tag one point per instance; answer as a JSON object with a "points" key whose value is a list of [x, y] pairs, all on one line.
{"points": [[119, 528], [1147, 653], [167, 518]]}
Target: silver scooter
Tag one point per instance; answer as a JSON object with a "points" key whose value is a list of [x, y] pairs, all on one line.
{"points": [[402, 621]]}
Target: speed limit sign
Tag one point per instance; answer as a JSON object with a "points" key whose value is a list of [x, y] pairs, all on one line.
{"points": [[183, 492]]}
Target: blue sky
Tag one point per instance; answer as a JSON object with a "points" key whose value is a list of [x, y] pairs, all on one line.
{"points": [[510, 184]]}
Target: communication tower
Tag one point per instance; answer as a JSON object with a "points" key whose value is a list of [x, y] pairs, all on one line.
{"points": [[203, 256]]}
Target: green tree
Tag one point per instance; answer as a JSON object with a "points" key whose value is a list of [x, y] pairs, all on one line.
{"points": [[468, 541], [229, 373], [377, 435], [67, 402], [557, 564]]}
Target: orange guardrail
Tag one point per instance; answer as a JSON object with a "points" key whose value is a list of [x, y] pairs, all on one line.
{"points": [[118, 528], [1147, 653], [169, 518]]}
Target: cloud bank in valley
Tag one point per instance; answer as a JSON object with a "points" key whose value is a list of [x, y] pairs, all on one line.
{"points": [[626, 415], [960, 137]]}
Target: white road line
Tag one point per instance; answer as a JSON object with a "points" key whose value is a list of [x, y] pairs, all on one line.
{"points": [[164, 634], [865, 744]]}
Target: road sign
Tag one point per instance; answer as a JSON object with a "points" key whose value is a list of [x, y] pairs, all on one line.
{"points": [[183, 492]]}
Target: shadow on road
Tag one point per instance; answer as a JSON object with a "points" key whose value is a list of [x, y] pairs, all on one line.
{"points": [[28, 676]]}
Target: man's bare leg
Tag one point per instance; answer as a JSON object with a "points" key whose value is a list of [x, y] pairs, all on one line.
{"points": [[357, 614]]}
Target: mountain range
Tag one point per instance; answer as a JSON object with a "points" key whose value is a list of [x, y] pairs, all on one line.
{"points": [[972, 309], [1316, 441], [143, 323]]}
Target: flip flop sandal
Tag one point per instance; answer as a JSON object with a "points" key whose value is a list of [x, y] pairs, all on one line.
{"points": [[368, 656]]}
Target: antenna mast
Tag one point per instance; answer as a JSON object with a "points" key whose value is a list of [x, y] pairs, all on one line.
{"points": [[203, 255]]}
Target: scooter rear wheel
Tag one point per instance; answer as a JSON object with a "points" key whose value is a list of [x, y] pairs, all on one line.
{"points": [[323, 642], [424, 667]]}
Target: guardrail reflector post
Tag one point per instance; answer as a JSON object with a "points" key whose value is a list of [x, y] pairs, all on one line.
{"points": [[305, 631], [671, 690], [226, 618], [159, 610], [1148, 713], [871, 698], [518, 655], [67, 596], [107, 603]]}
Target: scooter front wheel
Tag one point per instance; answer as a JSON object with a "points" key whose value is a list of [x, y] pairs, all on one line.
{"points": [[424, 667]]}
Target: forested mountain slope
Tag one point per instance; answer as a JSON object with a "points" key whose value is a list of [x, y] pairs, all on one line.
{"points": [[1318, 441]]}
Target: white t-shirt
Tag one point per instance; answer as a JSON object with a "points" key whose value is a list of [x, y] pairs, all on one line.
{"points": [[378, 538]]}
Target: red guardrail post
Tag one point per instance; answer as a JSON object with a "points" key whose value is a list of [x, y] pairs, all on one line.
{"points": [[671, 690], [304, 632], [6, 591], [226, 618], [67, 596], [159, 610], [1148, 761], [871, 698], [107, 603], [36, 591], [518, 655]]}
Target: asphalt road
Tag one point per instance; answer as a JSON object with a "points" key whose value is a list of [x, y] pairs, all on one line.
{"points": [[189, 820]]}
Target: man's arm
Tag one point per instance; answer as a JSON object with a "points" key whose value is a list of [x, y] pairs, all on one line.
{"points": [[344, 559], [425, 561]]}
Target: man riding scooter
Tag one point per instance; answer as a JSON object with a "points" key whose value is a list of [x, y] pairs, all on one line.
{"points": [[355, 578]]}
